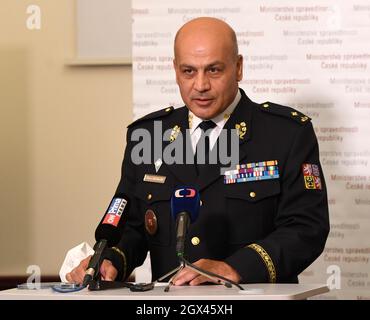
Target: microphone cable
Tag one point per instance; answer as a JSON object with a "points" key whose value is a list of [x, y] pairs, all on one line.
{"points": [[68, 287]]}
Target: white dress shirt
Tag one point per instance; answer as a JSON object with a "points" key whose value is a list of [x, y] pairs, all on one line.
{"points": [[219, 120]]}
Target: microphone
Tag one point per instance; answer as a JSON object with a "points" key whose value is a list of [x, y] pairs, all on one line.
{"points": [[185, 203], [108, 233]]}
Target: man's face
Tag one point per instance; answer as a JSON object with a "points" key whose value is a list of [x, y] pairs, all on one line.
{"points": [[207, 72]]}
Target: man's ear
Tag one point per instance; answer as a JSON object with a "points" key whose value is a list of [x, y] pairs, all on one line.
{"points": [[176, 71], [239, 66]]}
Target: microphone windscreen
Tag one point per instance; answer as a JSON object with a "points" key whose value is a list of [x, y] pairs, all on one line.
{"points": [[111, 225], [185, 199]]}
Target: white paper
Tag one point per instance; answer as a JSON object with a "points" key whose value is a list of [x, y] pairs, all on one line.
{"points": [[73, 259]]}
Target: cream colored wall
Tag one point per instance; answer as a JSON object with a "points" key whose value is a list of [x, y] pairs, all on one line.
{"points": [[62, 133]]}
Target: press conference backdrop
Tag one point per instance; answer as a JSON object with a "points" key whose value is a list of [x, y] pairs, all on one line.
{"points": [[311, 55]]}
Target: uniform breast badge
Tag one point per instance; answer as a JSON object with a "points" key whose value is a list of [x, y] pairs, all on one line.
{"points": [[311, 176], [255, 171], [151, 224], [154, 178]]}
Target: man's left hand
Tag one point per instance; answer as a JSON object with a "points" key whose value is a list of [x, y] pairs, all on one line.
{"points": [[188, 276]]}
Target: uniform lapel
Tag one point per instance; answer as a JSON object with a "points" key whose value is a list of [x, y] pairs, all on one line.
{"points": [[242, 113], [186, 173]]}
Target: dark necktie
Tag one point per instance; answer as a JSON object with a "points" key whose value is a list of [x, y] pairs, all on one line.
{"points": [[204, 126]]}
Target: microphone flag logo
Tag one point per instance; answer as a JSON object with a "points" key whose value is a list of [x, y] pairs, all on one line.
{"points": [[185, 193], [115, 211]]}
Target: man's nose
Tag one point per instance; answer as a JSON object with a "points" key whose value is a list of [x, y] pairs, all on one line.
{"points": [[201, 82]]}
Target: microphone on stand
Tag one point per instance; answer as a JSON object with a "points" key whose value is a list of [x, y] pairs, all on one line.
{"points": [[107, 234], [185, 203]]}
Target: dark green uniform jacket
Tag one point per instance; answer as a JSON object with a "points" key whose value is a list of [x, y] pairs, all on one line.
{"points": [[267, 230]]}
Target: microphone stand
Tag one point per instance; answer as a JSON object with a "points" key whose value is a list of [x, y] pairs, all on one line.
{"points": [[175, 272], [94, 281], [98, 284], [210, 275], [93, 269]]}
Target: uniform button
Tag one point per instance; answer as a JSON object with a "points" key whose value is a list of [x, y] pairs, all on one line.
{"points": [[265, 105], [195, 241], [252, 194], [168, 109], [149, 196], [201, 202]]}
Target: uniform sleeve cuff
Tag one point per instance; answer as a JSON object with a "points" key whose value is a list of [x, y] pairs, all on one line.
{"points": [[118, 259], [253, 264]]}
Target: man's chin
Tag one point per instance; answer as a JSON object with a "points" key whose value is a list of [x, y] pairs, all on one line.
{"points": [[205, 113]]}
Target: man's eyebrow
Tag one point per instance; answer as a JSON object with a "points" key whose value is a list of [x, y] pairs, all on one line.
{"points": [[216, 63], [184, 65], [212, 64]]}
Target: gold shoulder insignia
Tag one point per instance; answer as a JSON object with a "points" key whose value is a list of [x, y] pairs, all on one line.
{"points": [[154, 115], [285, 112]]}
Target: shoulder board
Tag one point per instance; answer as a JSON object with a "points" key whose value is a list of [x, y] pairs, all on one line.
{"points": [[153, 115], [284, 111]]}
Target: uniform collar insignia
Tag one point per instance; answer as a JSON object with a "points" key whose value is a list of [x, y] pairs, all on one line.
{"points": [[174, 133], [241, 129], [190, 120]]}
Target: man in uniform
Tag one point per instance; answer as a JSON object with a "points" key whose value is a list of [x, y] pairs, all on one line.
{"points": [[265, 220]]}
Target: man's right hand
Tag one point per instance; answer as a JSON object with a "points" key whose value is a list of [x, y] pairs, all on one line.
{"points": [[107, 270]]}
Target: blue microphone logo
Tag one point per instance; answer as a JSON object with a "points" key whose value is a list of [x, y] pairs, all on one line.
{"points": [[185, 199], [185, 193]]}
